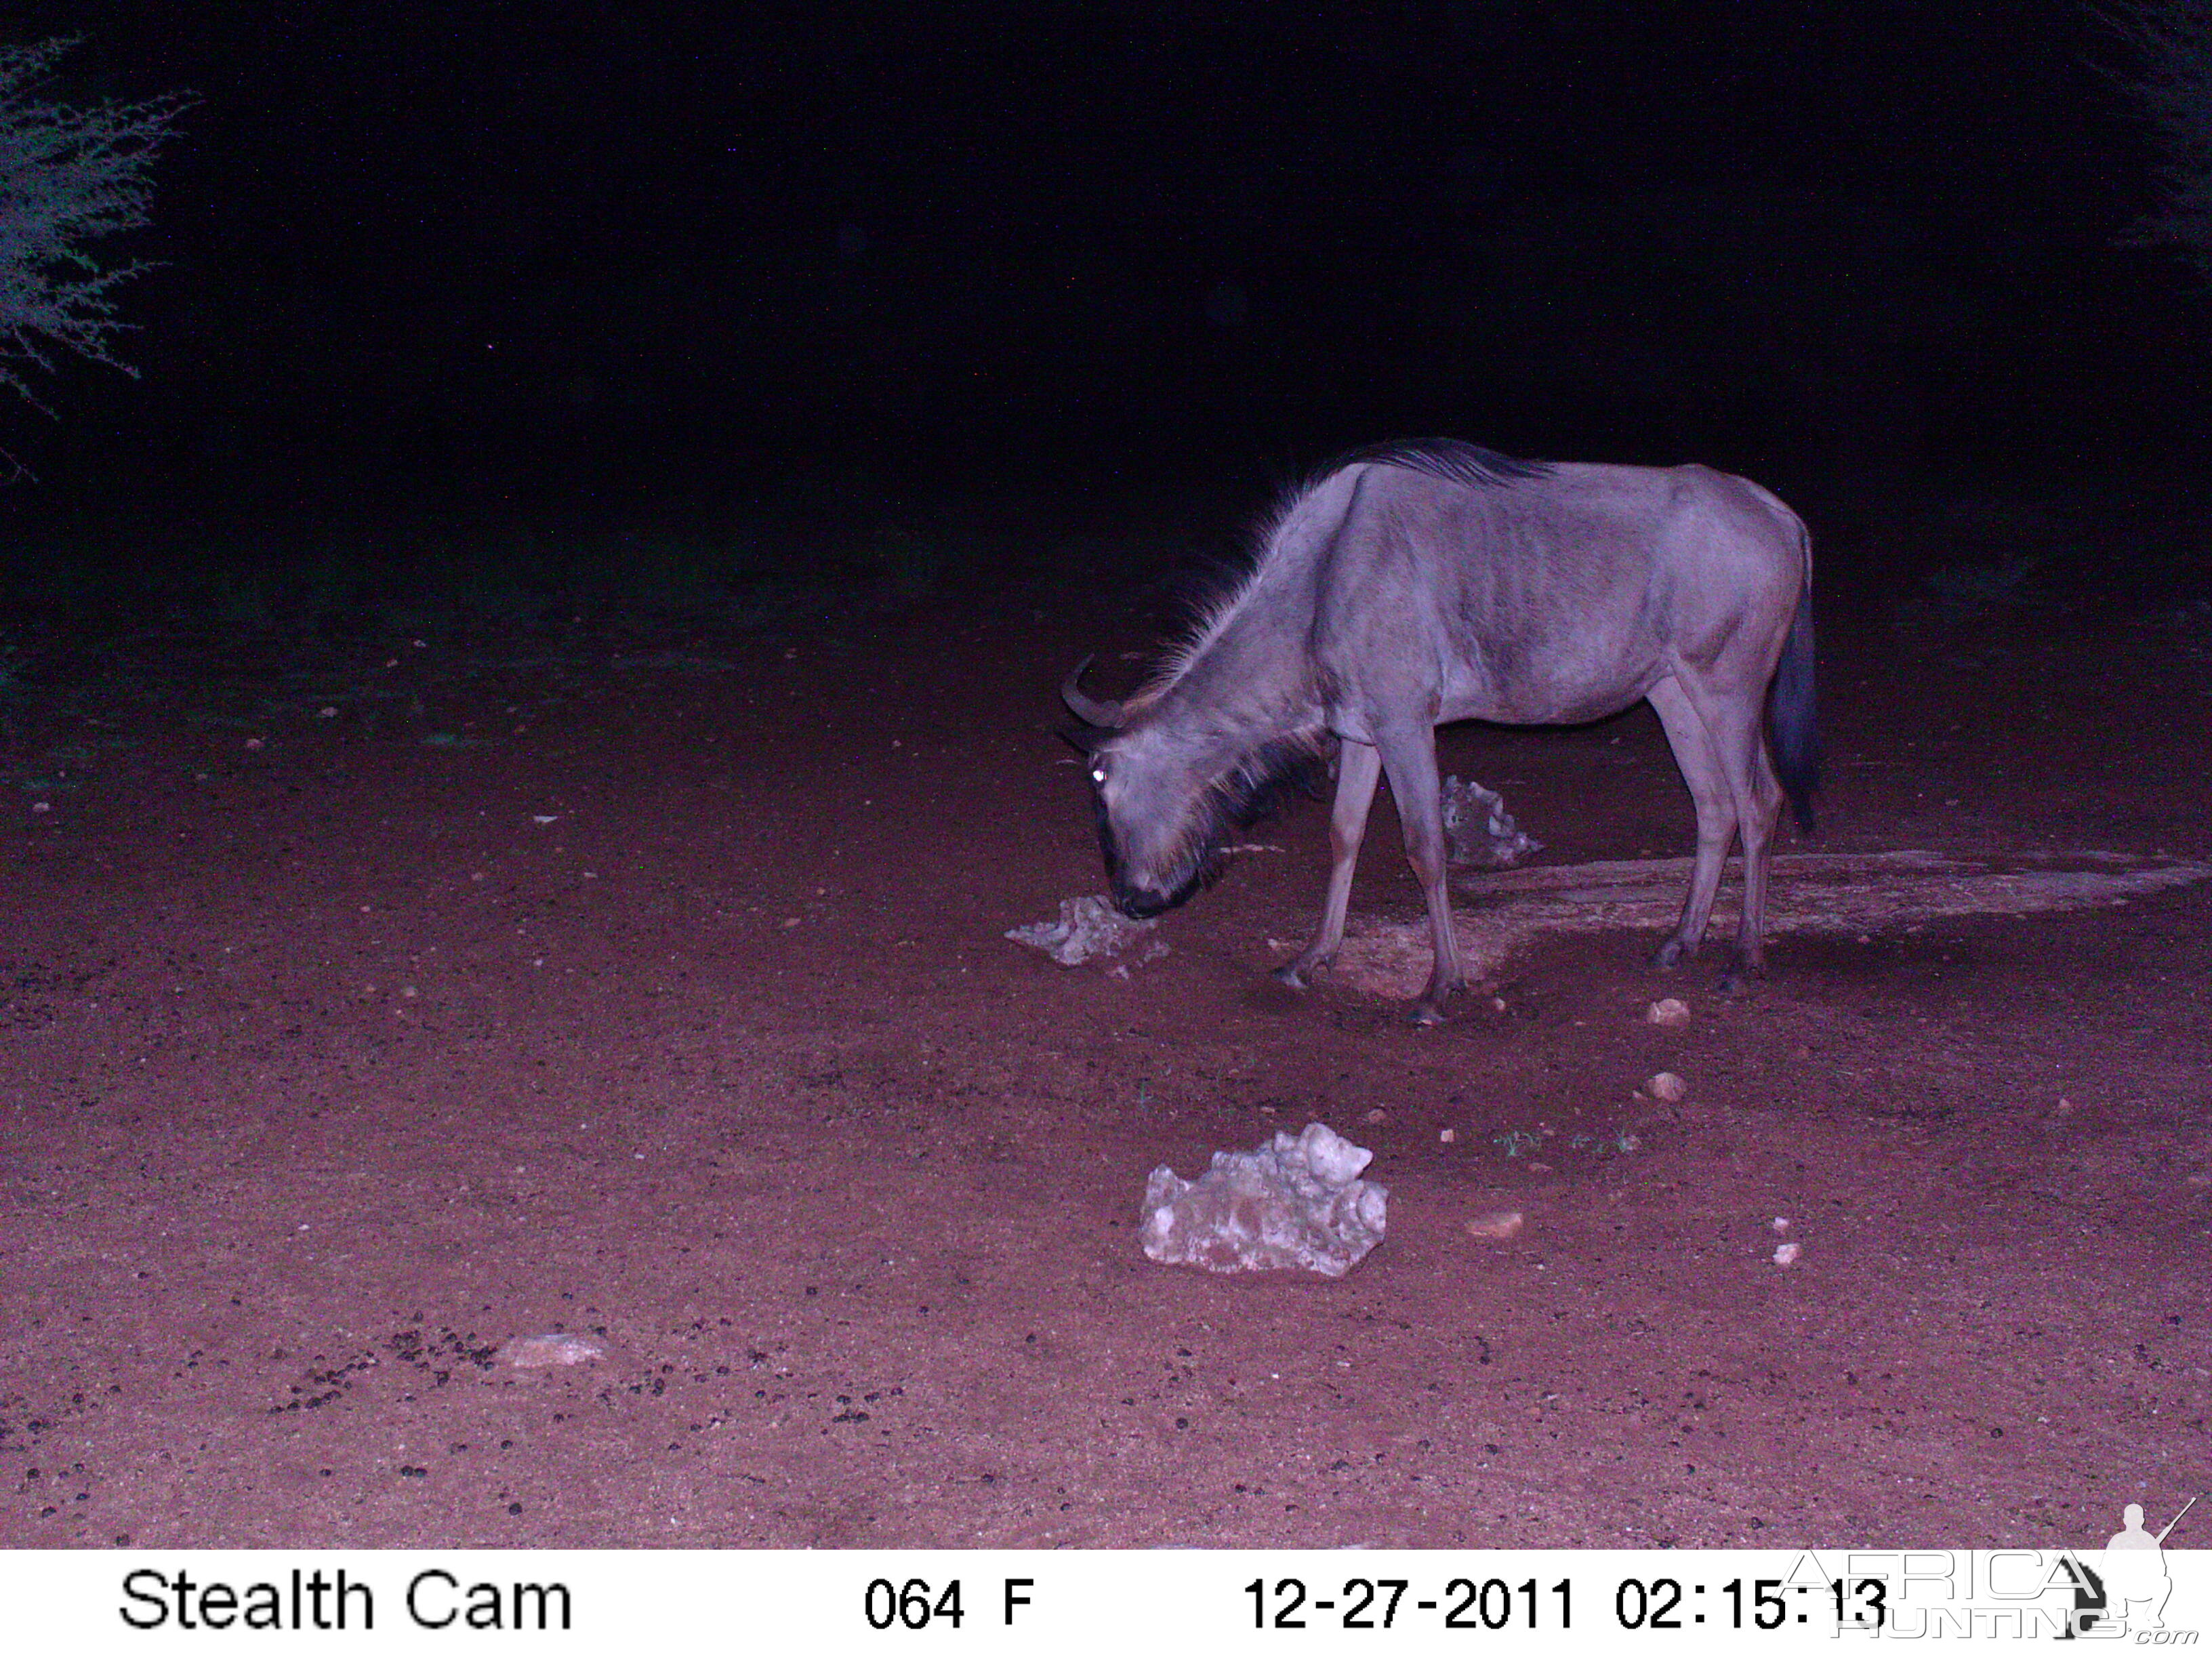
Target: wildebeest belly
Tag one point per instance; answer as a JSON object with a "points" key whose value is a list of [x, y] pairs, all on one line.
{"points": [[1553, 682]]}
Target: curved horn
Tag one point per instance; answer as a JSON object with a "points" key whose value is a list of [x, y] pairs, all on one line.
{"points": [[1089, 709]]}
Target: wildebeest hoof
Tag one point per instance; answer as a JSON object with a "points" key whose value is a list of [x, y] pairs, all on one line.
{"points": [[1430, 1010], [1667, 954], [1737, 975], [1289, 974]]}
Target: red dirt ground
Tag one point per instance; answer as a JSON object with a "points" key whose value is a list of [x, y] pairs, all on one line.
{"points": [[329, 1067]]}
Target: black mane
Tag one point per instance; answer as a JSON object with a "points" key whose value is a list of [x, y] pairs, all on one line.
{"points": [[1270, 778], [1202, 587], [1266, 780], [1444, 458]]}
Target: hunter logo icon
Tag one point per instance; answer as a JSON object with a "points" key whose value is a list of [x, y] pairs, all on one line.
{"points": [[2135, 1581], [2135, 1570]]}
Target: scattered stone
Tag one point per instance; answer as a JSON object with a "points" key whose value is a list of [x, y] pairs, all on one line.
{"points": [[554, 1348], [1376, 1114], [1088, 928], [1479, 830], [1295, 1202], [1782, 1223], [1786, 1254], [1497, 1225], [1447, 1136], [1665, 1086], [1668, 1011]]}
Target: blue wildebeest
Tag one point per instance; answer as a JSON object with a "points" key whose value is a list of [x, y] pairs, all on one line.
{"points": [[1415, 583]]}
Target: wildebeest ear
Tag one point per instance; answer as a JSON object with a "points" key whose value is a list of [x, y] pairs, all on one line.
{"points": [[1082, 738]]}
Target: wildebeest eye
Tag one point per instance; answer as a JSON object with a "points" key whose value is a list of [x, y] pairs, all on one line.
{"points": [[1098, 772]]}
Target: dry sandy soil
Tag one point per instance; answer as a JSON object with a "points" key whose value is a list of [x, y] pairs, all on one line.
{"points": [[652, 991]]}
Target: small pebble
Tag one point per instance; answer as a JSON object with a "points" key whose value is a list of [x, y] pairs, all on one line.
{"points": [[1669, 1011], [1498, 1225], [1786, 1254], [1447, 1136], [1665, 1086], [1782, 1223]]}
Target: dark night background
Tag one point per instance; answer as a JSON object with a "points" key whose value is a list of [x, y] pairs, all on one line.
{"points": [[466, 273]]}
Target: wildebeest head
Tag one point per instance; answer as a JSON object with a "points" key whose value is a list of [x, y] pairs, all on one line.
{"points": [[1168, 786]]}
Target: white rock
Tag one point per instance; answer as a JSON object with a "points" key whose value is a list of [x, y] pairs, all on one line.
{"points": [[554, 1348], [1669, 1011], [1088, 928], [1479, 830], [1786, 1254], [1296, 1202], [1665, 1086]]}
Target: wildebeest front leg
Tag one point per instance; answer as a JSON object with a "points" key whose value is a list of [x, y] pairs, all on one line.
{"points": [[1701, 768], [1359, 765], [1411, 760]]}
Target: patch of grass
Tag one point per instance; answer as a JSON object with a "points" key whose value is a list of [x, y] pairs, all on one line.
{"points": [[1519, 1143], [1618, 1142]]}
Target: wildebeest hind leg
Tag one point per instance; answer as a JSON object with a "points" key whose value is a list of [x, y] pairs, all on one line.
{"points": [[1701, 770], [1738, 729], [1735, 724], [1359, 769]]}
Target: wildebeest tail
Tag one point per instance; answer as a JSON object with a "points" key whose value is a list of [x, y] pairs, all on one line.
{"points": [[1789, 712]]}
